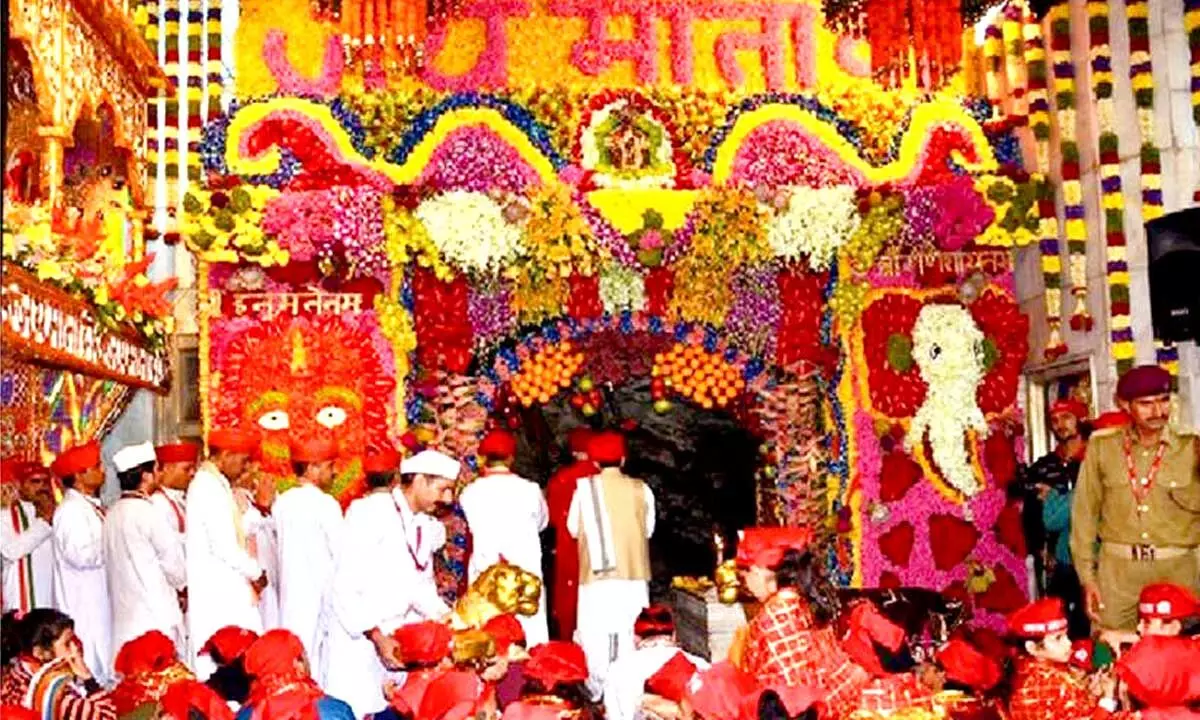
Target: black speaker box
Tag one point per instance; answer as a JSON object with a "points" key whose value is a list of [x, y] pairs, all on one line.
{"points": [[1174, 250]]}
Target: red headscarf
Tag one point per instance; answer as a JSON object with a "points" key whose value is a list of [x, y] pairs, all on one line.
{"points": [[229, 643], [183, 696], [556, 662], [148, 668], [278, 689], [147, 653]]}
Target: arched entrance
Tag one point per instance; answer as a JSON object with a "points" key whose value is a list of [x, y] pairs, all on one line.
{"points": [[724, 438]]}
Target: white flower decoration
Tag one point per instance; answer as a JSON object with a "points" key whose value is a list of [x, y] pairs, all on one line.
{"points": [[948, 350], [621, 288], [814, 223], [469, 230]]}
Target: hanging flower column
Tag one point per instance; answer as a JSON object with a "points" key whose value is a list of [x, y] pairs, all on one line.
{"points": [[1039, 120]]}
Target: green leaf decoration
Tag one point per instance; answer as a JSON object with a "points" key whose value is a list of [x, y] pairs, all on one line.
{"points": [[899, 352], [223, 220], [652, 219], [192, 204], [240, 200], [990, 354]]}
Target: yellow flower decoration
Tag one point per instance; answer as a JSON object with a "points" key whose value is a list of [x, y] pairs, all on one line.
{"points": [[226, 226], [407, 240], [557, 238], [537, 298]]}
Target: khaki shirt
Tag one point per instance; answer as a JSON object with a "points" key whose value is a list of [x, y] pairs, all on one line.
{"points": [[1106, 508]]}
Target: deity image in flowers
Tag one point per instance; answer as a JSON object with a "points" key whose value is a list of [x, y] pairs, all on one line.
{"points": [[624, 145], [294, 378], [948, 350]]}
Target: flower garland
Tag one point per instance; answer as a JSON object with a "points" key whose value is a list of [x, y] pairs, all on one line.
{"points": [[1015, 68], [993, 62], [1111, 199], [814, 224], [1191, 25], [1039, 120], [227, 226], [1141, 78], [471, 230], [1072, 189]]}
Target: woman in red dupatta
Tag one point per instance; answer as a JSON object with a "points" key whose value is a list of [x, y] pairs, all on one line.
{"points": [[792, 641], [281, 684], [148, 666]]}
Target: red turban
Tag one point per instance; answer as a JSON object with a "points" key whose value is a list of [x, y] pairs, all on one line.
{"points": [[185, 695], [76, 460], [1143, 381], [423, 643], [18, 471], [578, 439], [606, 448], [147, 653], [1070, 406], [1111, 419], [229, 643], [965, 665], [1161, 671], [506, 631], [275, 653], [180, 452], [234, 441], [452, 695], [1167, 601], [525, 710], [671, 680], [384, 460], [765, 546], [1038, 619], [556, 662], [654, 620], [498, 445]]}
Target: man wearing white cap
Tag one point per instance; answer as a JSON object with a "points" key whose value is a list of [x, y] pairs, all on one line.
{"points": [[384, 578], [142, 553]]}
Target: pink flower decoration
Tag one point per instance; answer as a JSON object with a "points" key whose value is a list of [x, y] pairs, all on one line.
{"points": [[291, 82], [651, 240], [476, 158], [781, 152]]}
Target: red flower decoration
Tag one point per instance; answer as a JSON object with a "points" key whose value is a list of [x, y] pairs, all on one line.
{"points": [[897, 543], [798, 336], [899, 473], [890, 580], [1004, 595], [1010, 531], [584, 301], [895, 391], [951, 539], [1006, 331], [660, 284], [1000, 457], [440, 318]]}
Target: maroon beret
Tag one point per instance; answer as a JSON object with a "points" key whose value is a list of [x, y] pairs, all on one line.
{"points": [[1143, 381]]}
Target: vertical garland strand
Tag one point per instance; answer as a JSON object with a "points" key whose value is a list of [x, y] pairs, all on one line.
{"points": [[1039, 121], [1191, 25], [993, 64], [1016, 73], [1112, 201], [1075, 227], [194, 89]]}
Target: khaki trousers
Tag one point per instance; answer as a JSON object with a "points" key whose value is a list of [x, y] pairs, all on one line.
{"points": [[1121, 581]]}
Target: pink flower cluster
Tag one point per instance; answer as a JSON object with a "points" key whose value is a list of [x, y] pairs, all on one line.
{"points": [[301, 222], [780, 153], [951, 213], [476, 158]]}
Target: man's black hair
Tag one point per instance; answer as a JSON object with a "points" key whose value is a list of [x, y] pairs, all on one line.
{"points": [[380, 480], [131, 479], [299, 467], [231, 682], [68, 481]]}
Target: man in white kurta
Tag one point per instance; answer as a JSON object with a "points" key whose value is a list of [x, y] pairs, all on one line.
{"points": [[142, 555], [384, 574], [308, 527], [223, 578], [612, 514], [26, 548], [176, 466], [80, 581], [655, 646], [506, 514]]}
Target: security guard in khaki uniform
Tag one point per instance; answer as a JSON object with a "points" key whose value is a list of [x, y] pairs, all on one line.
{"points": [[1139, 495]]}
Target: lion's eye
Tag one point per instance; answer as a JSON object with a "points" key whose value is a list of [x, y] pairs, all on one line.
{"points": [[331, 416], [274, 420]]}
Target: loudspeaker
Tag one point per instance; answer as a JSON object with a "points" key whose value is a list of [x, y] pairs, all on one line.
{"points": [[1174, 250]]}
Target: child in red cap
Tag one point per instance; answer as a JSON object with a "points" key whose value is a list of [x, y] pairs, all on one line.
{"points": [[1044, 686], [1163, 608]]}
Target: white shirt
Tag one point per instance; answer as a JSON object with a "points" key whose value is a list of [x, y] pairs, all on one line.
{"points": [[383, 579], [308, 527], [506, 513], [145, 571], [172, 505], [80, 581], [261, 529], [626, 681], [219, 569], [32, 545]]}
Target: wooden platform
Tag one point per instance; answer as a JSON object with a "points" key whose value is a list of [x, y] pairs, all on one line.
{"points": [[703, 625]]}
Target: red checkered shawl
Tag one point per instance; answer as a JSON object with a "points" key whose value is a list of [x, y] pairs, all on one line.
{"points": [[1048, 690]]}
